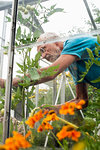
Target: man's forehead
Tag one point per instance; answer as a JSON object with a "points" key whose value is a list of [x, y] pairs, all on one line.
{"points": [[40, 46]]}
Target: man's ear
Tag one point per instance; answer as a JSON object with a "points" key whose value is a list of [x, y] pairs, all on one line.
{"points": [[60, 45]]}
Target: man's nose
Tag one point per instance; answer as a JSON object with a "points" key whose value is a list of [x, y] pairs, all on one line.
{"points": [[43, 55]]}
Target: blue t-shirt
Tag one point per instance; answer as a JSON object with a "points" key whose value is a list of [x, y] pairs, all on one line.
{"points": [[77, 46]]}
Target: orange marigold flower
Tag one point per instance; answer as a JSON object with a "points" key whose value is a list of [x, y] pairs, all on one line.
{"points": [[9, 140], [68, 127], [75, 135], [79, 104], [67, 131], [51, 112], [38, 116], [30, 122], [51, 116], [64, 109], [62, 134], [21, 140], [28, 134], [67, 108], [35, 118], [45, 112], [47, 126], [2, 147], [70, 107], [16, 142], [40, 128], [44, 126]]}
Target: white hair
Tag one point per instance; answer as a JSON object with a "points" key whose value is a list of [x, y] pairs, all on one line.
{"points": [[47, 36]]}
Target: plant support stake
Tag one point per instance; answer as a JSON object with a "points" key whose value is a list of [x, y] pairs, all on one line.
{"points": [[6, 121]]}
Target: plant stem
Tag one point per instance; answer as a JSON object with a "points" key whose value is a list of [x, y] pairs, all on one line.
{"points": [[23, 102], [67, 122], [57, 140]]}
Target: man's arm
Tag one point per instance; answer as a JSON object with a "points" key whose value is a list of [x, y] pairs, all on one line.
{"points": [[63, 61], [81, 91], [81, 94]]}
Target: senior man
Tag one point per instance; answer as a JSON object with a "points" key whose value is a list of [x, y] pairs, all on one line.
{"points": [[70, 54]]}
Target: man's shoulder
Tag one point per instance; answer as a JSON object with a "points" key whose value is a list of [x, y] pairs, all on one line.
{"points": [[76, 39]]}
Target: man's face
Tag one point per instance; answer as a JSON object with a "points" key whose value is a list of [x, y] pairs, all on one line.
{"points": [[49, 51]]}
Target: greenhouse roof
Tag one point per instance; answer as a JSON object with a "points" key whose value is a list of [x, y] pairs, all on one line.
{"points": [[6, 4]]}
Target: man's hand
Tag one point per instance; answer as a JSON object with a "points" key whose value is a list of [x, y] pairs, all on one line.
{"points": [[57, 107], [51, 107], [2, 83], [76, 101], [14, 82]]}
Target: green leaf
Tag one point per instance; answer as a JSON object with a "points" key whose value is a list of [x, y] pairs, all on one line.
{"points": [[31, 91], [8, 19], [96, 52], [28, 61], [37, 57], [87, 65], [97, 80], [24, 84], [97, 46], [29, 35], [30, 104], [98, 39], [45, 20], [5, 47], [18, 34], [26, 79], [18, 71], [54, 11], [98, 90], [34, 74], [90, 53], [47, 105], [20, 18], [33, 62], [18, 92], [50, 71], [53, 6], [36, 12], [40, 6], [21, 66], [53, 68], [97, 62], [1, 106], [36, 34], [59, 10]]}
